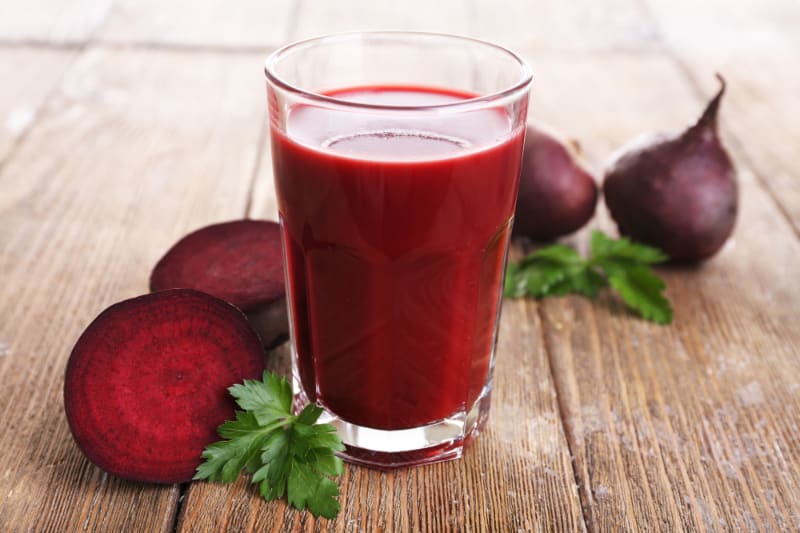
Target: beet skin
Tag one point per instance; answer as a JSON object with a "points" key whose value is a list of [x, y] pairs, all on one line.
{"points": [[677, 192], [146, 383], [239, 261], [557, 196]]}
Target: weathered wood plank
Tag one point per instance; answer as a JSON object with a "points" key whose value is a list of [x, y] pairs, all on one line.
{"points": [[517, 476], [319, 17], [263, 203], [51, 20], [132, 150], [32, 74], [755, 45], [250, 23], [717, 28], [584, 25], [691, 426]]}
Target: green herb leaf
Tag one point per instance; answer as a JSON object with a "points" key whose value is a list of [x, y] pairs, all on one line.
{"points": [[559, 254], [288, 455], [602, 246], [642, 290], [269, 399], [552, 271], [558, 270], [323, 499]]}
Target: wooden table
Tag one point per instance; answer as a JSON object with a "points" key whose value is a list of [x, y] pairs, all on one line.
{"points": [[126, 123]]}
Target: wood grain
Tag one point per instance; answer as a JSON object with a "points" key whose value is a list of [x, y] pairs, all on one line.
{"points": [[522, 454], [318, 17], [690, 427], [583, 25], [752, 43], [693, 426], [35, 72], [517, 476], [263, 203], [250, 24], [51, 21], [121, 163]]}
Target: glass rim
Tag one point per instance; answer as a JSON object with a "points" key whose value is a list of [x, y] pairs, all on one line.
{"points": [[521, 84]]}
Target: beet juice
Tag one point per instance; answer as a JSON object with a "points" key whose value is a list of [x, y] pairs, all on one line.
{"points": [[395, 233]]}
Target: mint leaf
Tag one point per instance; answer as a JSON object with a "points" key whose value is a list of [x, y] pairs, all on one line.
{"points": [[288, 455], [558, 270]]}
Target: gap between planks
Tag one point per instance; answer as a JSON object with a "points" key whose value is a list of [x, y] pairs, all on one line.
{"points": [[269, 47], [138, 45], [170, 519], [260, 160], [584, 491]]}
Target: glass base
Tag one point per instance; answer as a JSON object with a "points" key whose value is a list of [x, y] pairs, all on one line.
{"points": [[443, 440]]}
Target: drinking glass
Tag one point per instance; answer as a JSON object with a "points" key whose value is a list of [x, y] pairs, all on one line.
{"points": [[396, 160]]}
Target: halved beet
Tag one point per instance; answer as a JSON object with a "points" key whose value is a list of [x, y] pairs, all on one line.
{"points": [[146, 383], [239, 261]]}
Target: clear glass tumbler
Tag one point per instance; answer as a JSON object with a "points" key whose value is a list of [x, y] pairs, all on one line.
{"points": [[396, 159]]}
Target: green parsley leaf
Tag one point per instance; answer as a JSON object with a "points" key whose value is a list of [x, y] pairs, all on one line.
{"points": [[269, 399], [323, 499], [288, 455], [555, 270], [554, 254], [558, 270], [642, 290], [602, 246], [224, 460]]}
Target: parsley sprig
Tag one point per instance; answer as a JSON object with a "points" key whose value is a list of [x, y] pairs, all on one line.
{"points": [[286, 454], [623, 265]]}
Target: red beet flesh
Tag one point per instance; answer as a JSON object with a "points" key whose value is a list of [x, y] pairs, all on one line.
{"points": [[146, 383], [557, 196], [677, 192], [239, 261]]}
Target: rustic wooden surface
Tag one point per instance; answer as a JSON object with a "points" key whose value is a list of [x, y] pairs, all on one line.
{"points": [[125, 124]]}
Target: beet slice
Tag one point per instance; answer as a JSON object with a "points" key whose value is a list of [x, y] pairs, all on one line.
{"points": [[146, 383], [239, 261]]}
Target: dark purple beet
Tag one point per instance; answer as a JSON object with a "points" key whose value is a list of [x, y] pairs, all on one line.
{"points": [[677, 192], [239, 261], [146, 383], [557, 196]]}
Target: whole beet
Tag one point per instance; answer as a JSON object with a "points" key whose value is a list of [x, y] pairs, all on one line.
{"points": [[557, 196], [677, 192]]}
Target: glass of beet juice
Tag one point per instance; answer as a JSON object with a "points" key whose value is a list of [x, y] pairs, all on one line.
{"points": [[396, 158]]}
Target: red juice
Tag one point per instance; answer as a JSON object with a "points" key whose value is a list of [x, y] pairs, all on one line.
{"points": [[395, 231]]}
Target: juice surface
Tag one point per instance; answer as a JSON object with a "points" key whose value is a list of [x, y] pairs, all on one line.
{"points": [[395, 232]]}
